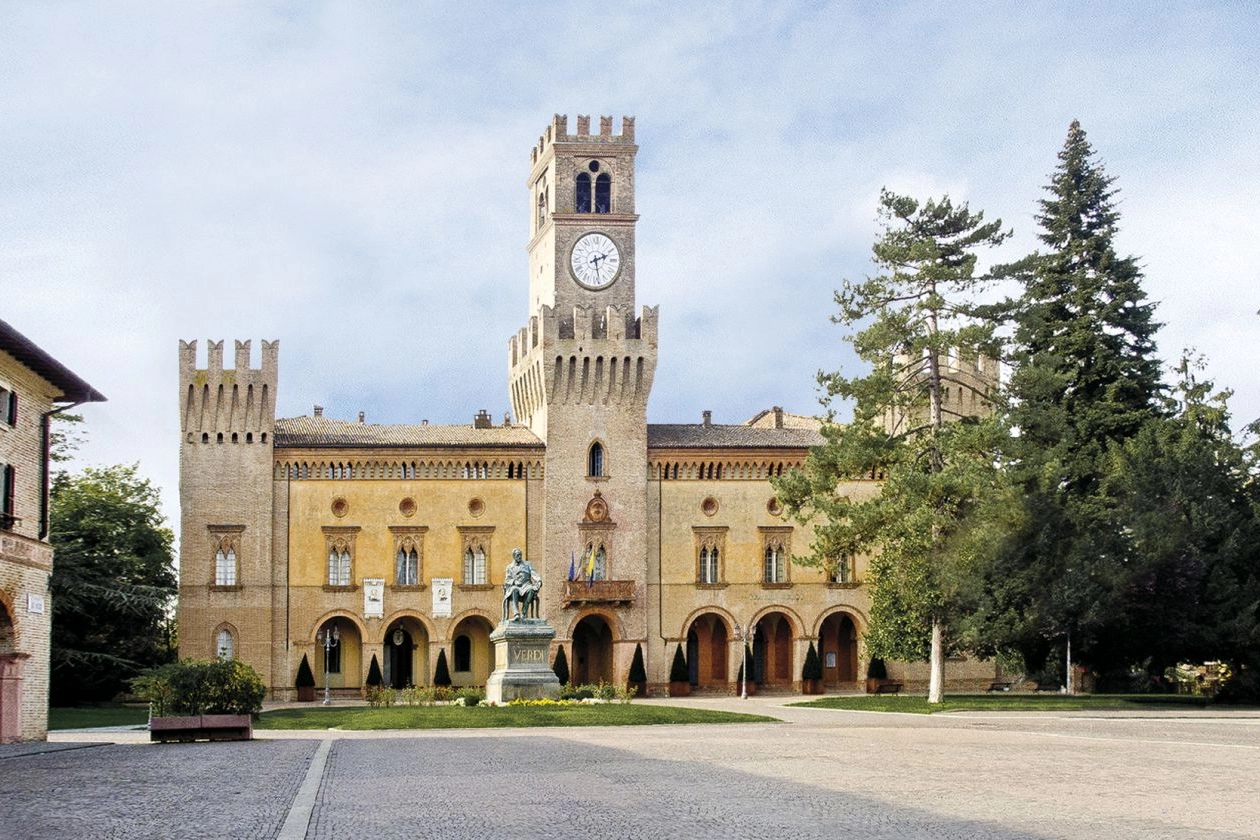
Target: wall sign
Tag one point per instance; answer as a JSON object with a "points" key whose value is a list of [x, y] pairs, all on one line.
{"points": [[373, 597], [442, 588], [34, 603]]}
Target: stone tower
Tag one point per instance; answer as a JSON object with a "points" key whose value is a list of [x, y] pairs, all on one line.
{"points": [[581, 372], [226, 577]]}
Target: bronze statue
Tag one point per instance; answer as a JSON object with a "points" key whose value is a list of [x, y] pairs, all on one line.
{"points": [[520, 589]]}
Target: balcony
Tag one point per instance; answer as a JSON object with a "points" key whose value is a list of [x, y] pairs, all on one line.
{"points": [[615, 592]]}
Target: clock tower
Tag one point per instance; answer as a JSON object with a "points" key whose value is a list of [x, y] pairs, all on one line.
{"points": [[580, 375]]}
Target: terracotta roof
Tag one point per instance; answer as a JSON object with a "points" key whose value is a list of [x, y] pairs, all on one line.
{"points": [[296, 432], [712, 436], [72, 388]]}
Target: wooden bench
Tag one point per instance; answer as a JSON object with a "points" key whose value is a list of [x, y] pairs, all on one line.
{"points": [[999, 685], [888, 688], [201, 728]]}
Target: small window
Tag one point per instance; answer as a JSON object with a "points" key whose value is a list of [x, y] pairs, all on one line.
{"points": [[774, 569], [475, 566], [603, 193], [224, 646], [709, 565], [582, 193], [8, 497], [595, 461], [225, 567], [842, 570], [463, 653], [339, 567], [407, 571], [9, 404]]}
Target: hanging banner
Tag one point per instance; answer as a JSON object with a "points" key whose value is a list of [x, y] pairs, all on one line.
{"points": [[373, 597], [442, 588]]}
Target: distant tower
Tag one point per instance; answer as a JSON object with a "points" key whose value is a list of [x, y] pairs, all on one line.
{"points": [[581, 371], [227, 578]]}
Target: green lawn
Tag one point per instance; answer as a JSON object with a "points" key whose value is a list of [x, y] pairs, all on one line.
{"points": [[88, 716], [1004, 702], [458, 717]]}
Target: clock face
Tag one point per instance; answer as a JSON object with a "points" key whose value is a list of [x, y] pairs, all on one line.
{"points": [[595, 261]]}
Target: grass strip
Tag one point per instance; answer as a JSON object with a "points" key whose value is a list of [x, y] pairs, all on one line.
{"points": [[918, 704], [458, 717], [86, 717]]}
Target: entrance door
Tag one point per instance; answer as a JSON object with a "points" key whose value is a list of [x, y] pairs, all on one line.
{"points": [[837, 643], [398, 648], [592, 651]]}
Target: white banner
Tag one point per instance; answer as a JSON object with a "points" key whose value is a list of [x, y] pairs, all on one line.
{"points": [[373, 597], [442, 588]]}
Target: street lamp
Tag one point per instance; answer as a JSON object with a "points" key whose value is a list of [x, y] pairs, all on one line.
{"points": [[329, 639], [744, 637]]}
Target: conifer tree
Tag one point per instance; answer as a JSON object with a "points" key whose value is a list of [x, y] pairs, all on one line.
{"points": [[1085, 379], [917, 319]]}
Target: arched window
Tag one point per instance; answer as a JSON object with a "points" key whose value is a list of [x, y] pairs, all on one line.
{"points": [[595, 461], [603, 193], [225, 567], [582, 193], [774, 569], [339, 567], [475, 565], [224, 645], [709, 565], [601, 564], [407, 571], [463, 653]]}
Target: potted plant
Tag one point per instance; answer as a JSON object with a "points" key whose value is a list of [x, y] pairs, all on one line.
{"points": [[811, 672], [201, 700], [679, 677], [305, 682], [561, 666], [637, 682]]}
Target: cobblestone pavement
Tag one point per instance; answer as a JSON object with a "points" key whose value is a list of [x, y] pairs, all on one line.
{"points": [[817, 774]]}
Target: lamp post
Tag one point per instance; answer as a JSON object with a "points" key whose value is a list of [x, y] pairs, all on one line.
{"points": [[744, 636], [329, 639]]}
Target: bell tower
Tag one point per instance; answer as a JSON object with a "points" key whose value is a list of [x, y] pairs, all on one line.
{"points": [[581, 370]]}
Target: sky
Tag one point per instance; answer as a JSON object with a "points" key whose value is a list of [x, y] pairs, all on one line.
{"points": [[350, 179]]}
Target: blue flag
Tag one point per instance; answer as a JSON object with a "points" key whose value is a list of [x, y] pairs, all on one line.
{"points": [[572, 568]]}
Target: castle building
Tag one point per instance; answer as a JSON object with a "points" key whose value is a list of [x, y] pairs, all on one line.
{"points": [[33, 387], [646, 535]]}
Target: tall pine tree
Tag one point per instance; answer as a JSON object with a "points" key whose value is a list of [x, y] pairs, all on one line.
{"points": [[1085, 379], [921, 337]]}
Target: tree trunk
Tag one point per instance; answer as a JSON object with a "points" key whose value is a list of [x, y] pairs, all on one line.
{"points": [[936, 682]]}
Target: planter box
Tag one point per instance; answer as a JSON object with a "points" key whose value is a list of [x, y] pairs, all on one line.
{"points": [[811, 687], [306, 694], [679, 689], [201, 728]]}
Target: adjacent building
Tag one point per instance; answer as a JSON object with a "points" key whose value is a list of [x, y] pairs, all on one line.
{"points": [[33, 387]]}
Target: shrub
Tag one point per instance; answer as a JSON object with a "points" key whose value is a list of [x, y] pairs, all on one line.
{"points": [[374, 677], [378, 696], [678, 670], [812, 669], [201, 687], [470, 695], [442, 674], [305, 678], [876, 670], [638, 674], [561, 666]]}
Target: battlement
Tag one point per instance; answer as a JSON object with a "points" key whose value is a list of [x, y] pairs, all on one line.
{"points": [[227, 404], [584, 323], [558, 132]]}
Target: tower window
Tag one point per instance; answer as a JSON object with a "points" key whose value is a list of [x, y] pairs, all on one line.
{"points": [[603, 193], [582, 193], [594, 166], [595, 461], [225, 566]]}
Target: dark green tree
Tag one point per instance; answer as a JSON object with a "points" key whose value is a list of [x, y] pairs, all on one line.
{"points": [[305, 677], [638, 673], [923, 333], [812, 669], [1085, 379], [561, 666], [678, 668], [374, 677], [112, 585], [442, 673]]}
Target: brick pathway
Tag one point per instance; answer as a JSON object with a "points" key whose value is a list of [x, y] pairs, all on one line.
{"points": [[818, 774]]}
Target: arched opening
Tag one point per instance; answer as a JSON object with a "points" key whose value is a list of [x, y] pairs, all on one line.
{"points": [[838, 649], [707, 651], [406, 654], [342, 659], [592, 651], [10, 680], [595, 460], [582, 193], [772, 651], [472, 657], [603, 193]]}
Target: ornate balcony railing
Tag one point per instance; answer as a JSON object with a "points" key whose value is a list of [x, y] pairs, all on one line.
{"points": [[619, 592]]}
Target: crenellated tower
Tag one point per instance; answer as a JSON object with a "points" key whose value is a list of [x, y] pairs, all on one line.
{"points": [[227, 498], [581, 369]]}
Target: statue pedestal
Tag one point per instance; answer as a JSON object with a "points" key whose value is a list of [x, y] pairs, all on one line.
{"points": [[521, 665]]}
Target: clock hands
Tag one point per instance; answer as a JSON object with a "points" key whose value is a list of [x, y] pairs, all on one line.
{"points": [[595, 260]]}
